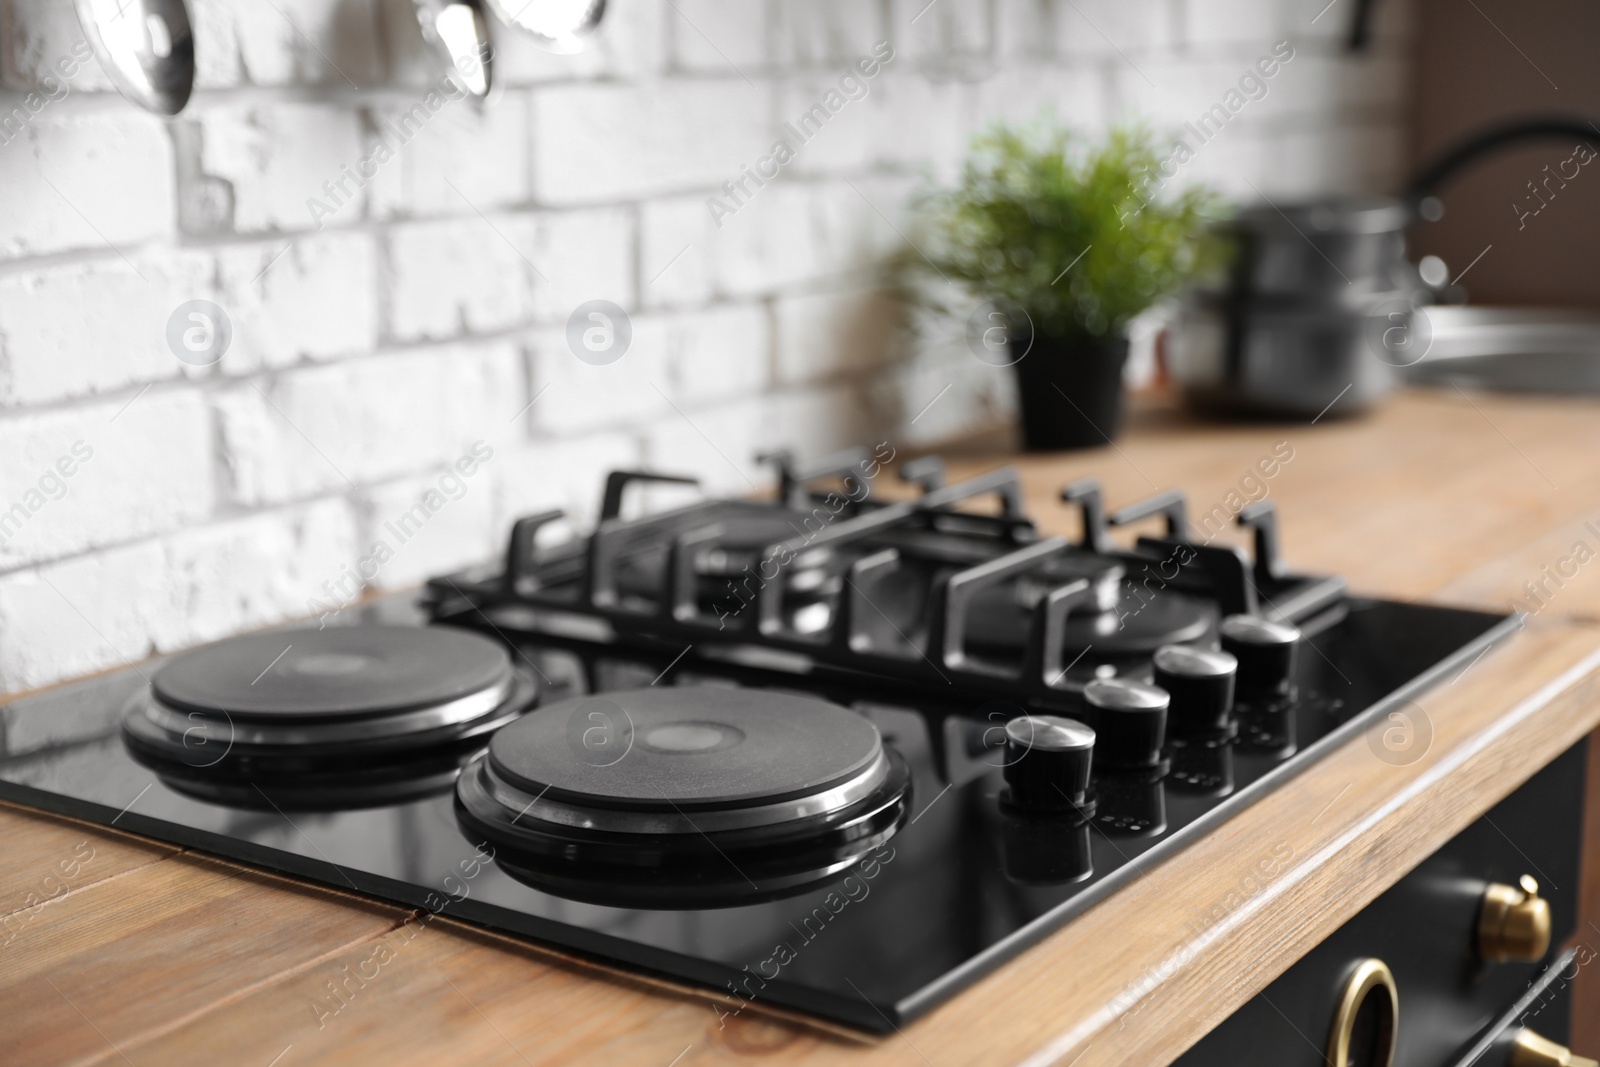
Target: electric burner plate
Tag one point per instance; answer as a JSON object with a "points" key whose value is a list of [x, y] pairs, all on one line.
{"points": [[685, 748], [722, 794], [329, 715], [338, 673]]}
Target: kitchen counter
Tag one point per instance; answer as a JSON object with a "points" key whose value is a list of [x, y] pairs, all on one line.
{"points": [[117, 949]]}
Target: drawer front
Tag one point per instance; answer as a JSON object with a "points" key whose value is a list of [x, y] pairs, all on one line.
{"points": [[1545, 1009], [1424, 929]]}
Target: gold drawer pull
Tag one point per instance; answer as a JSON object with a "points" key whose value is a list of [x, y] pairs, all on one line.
{"points": [[1514, 923], [1531, 1050], [1371, 979]]}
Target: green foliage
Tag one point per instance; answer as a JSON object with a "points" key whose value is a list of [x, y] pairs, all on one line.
{"points": [[1031, 200]]}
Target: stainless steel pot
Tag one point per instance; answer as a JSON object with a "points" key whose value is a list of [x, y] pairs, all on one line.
{"points": [[1322, 248], [1320, 306], [1289, 358]]}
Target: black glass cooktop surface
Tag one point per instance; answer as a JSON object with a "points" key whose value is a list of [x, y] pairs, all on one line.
{"points": [[916, 877]]}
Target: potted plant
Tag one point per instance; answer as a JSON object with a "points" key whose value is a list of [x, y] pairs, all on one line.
{"points": [[1064, 243]]}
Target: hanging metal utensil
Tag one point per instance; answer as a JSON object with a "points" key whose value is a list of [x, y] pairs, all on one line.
{"points": [[457, 33], [560, 26], [146, 48]]}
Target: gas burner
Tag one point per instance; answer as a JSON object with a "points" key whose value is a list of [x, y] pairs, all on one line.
{"points": [[672, 797], [917, 591], [369, 714]]}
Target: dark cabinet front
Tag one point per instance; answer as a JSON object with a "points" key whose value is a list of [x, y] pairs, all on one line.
{"points": [[1432, 966]]}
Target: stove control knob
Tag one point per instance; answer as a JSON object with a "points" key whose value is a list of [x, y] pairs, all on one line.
{"points": [[1266, 653], [1528, 1049], [1047, 761], [1200, 682], [1131, 722], [1513, 922]]}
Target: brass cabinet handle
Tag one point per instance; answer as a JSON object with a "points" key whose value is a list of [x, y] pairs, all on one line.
{"points": [[1371, 978], [1514, 923], [1531, 1050]]}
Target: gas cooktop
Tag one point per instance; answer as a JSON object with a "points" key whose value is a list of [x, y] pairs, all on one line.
{"points": [[824, 752]]}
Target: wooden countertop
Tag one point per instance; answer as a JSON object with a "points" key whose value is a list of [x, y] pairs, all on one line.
{"points": [[147, 954]]}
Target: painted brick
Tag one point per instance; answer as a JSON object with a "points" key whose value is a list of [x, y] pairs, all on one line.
{"points": [[946, 41], [36, 37], [817, 420], [463, 158], [80, 180], [254, 572], [1319, 163], [566, 473], [851, 138], [581, 256], [277, 158], [717, 353], [455, 277], [1185, 92], [939, 145], [138, 468], [717, 443], [92, 327], [676, 237], [1238, 163], [607, 142], [1075, 96], [718, 36], [409, 61], [1312, 84], [793, 233], [824, 32], [1025, 29], [577, 397], [430, 524], [945, 391], [822, 335], [1291, 92], [1121, 30], [84, 615], [286, 42], [630, 43], [120, 606], [310, 298], [335, 427], [779, 237], [1249, 24]]}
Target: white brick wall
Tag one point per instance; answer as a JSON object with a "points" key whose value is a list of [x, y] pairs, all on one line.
{"points": [[607, 142], [453, 277], [467, 158], [426, 313], [79, 180]]}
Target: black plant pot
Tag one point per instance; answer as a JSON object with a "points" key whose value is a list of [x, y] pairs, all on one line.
{"points": [[1070, 392]]}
